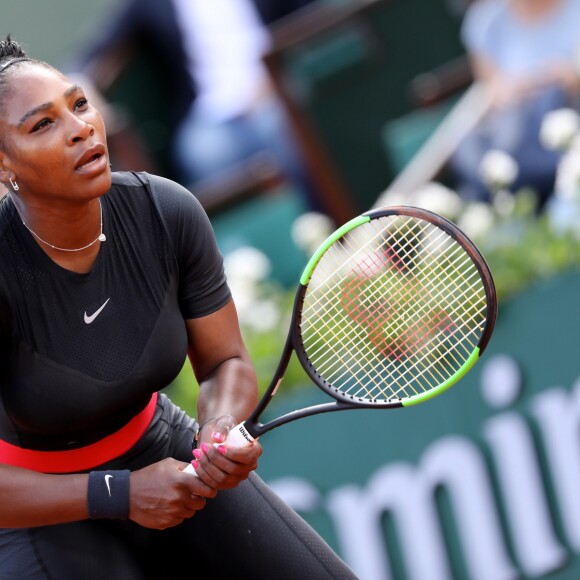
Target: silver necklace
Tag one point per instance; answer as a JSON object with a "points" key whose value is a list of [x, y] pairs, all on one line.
{"points": [[100, 238]]}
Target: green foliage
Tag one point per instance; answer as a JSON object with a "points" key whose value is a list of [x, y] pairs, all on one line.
{"points": [[524, 247], [530, 254]]}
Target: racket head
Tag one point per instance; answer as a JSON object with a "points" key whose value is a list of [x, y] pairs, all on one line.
{"points": [[393, 309]]}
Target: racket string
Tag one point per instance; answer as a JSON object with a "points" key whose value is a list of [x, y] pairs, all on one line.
{"points": [[337, 343]]}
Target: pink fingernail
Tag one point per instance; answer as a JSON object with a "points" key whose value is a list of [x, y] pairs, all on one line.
{"points": [[222, 449], [217, 436], [205, 447], [195, 464], [197, 453]]}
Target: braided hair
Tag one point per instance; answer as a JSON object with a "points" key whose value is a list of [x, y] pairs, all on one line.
{"points": [[11, 53], [12, 58], [11, 49]]}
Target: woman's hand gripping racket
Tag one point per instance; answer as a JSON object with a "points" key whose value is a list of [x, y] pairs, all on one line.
{"points": [[393, 309]]}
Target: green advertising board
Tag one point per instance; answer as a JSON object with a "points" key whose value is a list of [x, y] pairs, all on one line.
{"points": [[483, 482]]}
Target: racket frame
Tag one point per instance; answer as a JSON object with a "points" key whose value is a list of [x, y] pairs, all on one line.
{"points": [[342, 401]]}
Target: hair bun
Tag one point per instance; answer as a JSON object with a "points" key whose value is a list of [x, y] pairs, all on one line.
{"points": [[11, 49]]}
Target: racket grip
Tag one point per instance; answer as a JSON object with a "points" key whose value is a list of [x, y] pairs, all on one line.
{"points": [[237, 437]]}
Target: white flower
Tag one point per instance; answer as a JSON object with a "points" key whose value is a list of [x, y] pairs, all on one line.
{"points": [[264, 315], [504, 203], [439, 199], [477, 220], [310, 229], [247, 264], [567, 184], [559, 128], [244, 294], [498, 169]]}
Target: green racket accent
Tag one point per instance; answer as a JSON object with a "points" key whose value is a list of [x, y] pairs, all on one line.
{"points": [[416, 399], [327, 243]]}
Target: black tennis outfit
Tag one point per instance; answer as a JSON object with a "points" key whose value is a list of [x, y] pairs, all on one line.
{"points": [[86, 354]]}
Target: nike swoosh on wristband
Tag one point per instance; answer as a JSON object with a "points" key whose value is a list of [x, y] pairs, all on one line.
{"points": [[89, 319], [107, 478]]}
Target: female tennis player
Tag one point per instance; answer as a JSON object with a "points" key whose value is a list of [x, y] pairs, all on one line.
{"points": [[107, 282]]}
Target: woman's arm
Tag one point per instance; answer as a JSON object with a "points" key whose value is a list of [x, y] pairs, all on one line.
{"points": [[222, 365], [228, 394], [29, 498], [161, 496]]}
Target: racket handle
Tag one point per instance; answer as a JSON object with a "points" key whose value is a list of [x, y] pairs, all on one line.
{"points": [[237, 437]]}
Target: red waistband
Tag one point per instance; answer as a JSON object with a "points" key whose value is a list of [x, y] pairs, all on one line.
{"points": [[83, 458]]}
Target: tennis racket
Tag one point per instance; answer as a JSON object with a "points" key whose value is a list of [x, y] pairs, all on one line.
{"points": [[394, 308]]}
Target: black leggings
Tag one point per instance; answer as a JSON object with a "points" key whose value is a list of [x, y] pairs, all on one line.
{"points": [[246, 533]]}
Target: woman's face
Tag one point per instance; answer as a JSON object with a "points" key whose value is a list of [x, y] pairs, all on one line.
{"points": [[54, 141]]}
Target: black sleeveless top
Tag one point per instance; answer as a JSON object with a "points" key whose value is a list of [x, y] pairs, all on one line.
{"points": [[87, 350]]}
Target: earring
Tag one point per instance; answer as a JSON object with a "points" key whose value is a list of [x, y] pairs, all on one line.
{"points": [[14, 185]]}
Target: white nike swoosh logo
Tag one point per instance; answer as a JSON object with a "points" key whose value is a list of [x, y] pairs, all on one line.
{"points": [[107, 477], [89, 319]]}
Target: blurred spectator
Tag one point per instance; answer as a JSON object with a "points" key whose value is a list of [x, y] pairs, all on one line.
{"points": [[526, 52], [223, 109]]}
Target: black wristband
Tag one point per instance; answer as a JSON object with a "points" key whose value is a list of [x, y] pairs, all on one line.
{"points": [[108, 494]]}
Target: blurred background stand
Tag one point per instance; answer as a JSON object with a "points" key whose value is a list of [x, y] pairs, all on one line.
{"points": [[350, 71], [428, 163]]}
